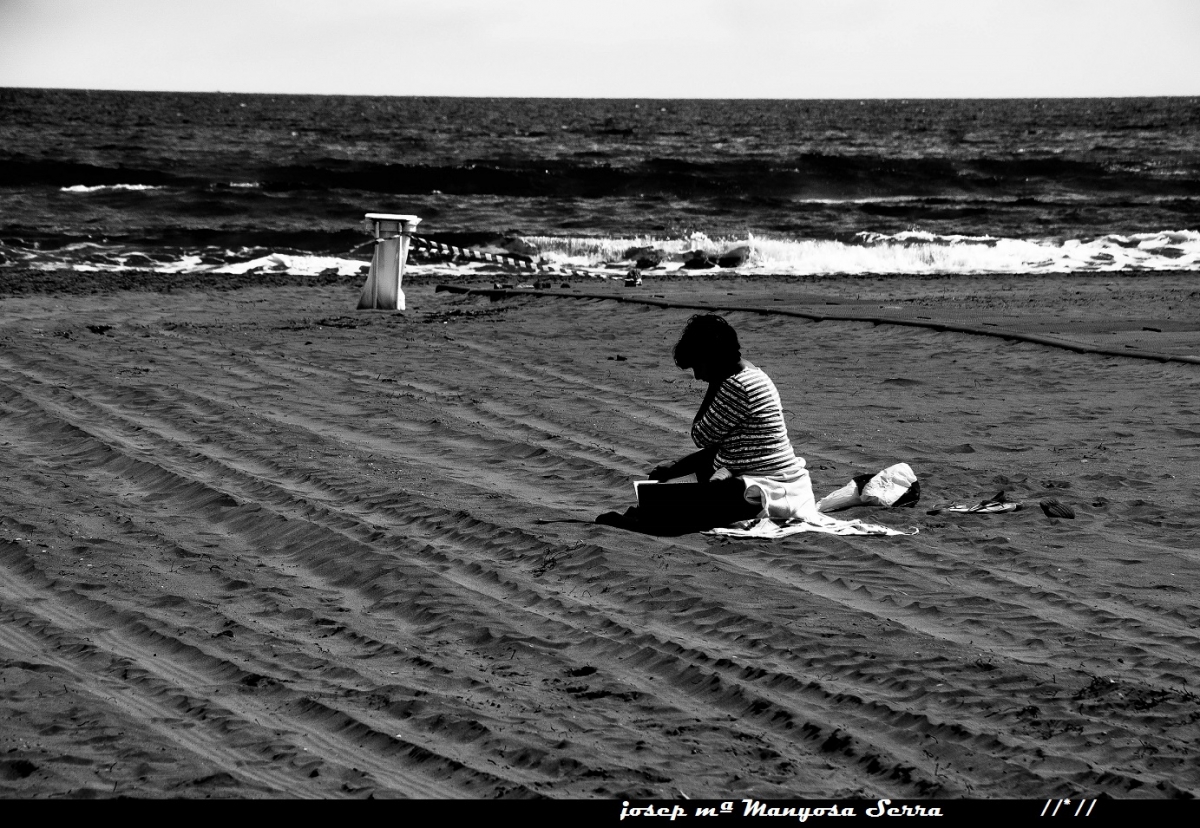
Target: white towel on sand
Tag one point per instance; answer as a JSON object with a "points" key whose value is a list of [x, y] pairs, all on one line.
{"points": [[769, 528]]}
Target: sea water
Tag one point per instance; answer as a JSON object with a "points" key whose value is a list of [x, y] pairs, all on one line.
{"points": [[106, 180]]}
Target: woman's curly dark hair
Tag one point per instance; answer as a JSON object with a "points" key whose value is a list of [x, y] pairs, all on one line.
{"points": [[707, 339]]}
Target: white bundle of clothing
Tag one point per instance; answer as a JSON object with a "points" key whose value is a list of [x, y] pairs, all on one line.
{"points": [[788, 505]]}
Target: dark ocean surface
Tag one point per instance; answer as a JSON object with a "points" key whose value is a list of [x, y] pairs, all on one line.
{"points": [[109, 180]]}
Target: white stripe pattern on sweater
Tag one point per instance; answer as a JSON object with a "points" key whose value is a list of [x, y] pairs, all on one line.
{"points": [[745, 422]]}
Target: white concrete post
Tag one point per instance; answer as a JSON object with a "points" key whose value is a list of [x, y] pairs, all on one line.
{"points": [[382, 289]]}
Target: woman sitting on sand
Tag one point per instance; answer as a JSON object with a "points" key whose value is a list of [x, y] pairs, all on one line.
{"points": [[743, 440]]}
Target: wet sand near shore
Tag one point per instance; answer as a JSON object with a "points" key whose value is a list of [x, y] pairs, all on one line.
{"points": [[1095, 312], [255, 543]]}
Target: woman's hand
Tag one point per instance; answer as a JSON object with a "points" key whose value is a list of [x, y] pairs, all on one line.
{"points": [[699, 463], [663, 471]]}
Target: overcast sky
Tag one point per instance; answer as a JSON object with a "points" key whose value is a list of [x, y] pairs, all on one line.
{"points": [[609, 48]]}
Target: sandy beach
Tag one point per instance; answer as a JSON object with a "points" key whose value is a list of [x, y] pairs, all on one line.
{"points": [[255, 543]]}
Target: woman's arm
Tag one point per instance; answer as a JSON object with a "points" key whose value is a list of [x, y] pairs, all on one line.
{"points": [[709, 395], [714, 424], [699, 463], [724, 410]]}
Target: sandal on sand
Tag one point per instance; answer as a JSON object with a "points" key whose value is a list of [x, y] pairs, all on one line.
{"points": [[998, 503]]}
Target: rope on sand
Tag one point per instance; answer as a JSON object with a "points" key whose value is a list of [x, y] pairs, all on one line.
{"points": [[510, 261], [999, 333]]}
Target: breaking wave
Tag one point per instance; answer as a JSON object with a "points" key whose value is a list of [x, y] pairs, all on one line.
{"points": [[909, 252], [91, 257]]}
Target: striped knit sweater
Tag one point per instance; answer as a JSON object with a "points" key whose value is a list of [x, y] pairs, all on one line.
{"points": [[745, 423]]}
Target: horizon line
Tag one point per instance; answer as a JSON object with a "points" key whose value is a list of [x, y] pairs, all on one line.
{"points": [[602, 97]]}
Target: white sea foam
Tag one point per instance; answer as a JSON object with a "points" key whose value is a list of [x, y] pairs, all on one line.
{"points": [[83, 188], [297, 264], [94, 257], [908, 252]]}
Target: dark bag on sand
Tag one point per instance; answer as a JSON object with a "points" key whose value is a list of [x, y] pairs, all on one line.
{"points": [[679, 508], [715, 504]]}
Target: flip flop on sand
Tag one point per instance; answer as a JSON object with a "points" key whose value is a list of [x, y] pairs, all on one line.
{"points": [[998, 503]]}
